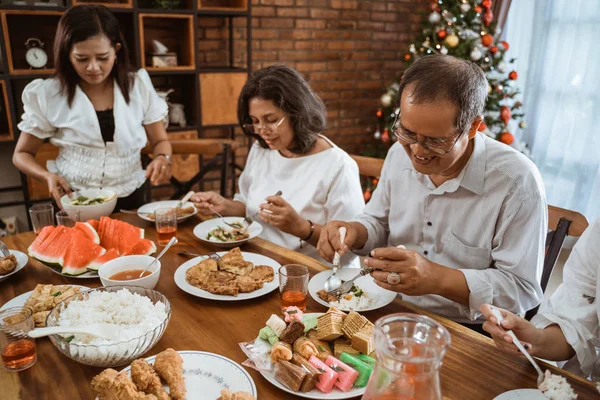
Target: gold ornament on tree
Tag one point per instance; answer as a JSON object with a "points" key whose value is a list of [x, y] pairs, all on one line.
{"points": [[452, 41]]}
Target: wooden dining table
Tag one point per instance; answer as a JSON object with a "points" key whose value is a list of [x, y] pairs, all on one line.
{"points": [[473, 368]]}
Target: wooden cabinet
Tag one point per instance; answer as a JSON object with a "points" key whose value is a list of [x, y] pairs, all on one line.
{"points": [[219, 93]]}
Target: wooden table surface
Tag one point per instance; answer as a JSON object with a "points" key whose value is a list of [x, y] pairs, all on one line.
{"points": [[473, 368]]}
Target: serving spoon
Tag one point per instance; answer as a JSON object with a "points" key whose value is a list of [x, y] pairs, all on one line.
{"points": [[105, 331], [167, 247]]}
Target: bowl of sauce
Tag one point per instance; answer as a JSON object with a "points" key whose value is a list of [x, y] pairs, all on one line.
{"points": [[126, 271]]}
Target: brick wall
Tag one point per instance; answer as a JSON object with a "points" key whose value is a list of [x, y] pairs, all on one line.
{"points": [[349, 51]]}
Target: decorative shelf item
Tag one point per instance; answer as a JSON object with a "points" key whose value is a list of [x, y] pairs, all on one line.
{"points": [[176, 32], [218, 96]]}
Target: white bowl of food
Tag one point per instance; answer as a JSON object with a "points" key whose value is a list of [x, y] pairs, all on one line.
{"points": [[91, 203], [125, 271], [218, 233]]}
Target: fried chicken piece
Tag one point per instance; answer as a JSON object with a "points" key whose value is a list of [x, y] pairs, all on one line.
{"points": [[169, 366], [326, 296], [147, 380], [247, 284], [8, 264], [226, 394], [233, 261], [111, 385], [200, 272], [262, 273]]}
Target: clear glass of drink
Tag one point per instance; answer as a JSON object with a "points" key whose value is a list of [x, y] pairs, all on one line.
{"points": [[166, 224], [17, 348], [293, 286], [67, 218], [41, 215]]}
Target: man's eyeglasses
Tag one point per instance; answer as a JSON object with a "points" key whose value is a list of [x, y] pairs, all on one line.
{"points": [[435, 145], [255, 128]]}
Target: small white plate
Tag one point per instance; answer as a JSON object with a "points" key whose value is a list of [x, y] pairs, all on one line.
{"points": [[522, 394], [151, 207], [380, 296], [254, 258], [201, 231], [22, 261], [335, 394], [20, 300], [206, 374]]}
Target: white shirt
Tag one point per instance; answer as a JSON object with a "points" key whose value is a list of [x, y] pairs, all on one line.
{"points": [[575, 306], [84, 160], [321, 187], [490, 223]]}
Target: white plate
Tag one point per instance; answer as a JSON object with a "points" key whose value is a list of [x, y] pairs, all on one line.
{"points": [[20, 300], [201, 231], [335, 394], [380, 296], [206, 374], [22, 261], [85, 275], [151, 207], [521, 394], [254, 258]]}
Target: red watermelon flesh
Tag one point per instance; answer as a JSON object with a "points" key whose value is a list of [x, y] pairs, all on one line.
{"points": [[143, 247], [94, 223], [51, 250], [44, 233], [103, 258], [88, 231], [347, 374], [80, 253]]}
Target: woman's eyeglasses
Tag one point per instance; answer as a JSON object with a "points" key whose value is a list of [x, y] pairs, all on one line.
{"points": [[255, 128], [435, 145]]}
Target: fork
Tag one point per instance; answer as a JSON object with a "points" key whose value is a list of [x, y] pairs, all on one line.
{"points": [[213, 256], [4, 249], [347, 286], [245, 222], [279, 193]]}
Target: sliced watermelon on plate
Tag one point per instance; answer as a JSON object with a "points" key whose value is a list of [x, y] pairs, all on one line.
{"points": [[94, 223], [51, 249], [103, 258], [143, 247], [88, 230], [80, 253]]}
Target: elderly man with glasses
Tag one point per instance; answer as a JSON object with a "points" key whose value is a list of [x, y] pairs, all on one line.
{"points": [[471, 211]]}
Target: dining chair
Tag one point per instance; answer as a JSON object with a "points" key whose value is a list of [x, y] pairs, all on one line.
{"points": [[369, 166], [561, 223]]}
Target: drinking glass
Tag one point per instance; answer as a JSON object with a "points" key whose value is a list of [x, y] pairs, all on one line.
{"points": [[42, 215], [293, 286], [166, 224], [67, 218], [409, 349], [17, 348]]}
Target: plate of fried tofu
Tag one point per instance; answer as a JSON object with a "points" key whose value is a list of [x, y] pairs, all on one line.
{"points": [[239, 276]]}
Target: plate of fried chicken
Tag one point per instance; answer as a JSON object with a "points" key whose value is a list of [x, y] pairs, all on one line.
{"points": [[176, 375], [239, 276], [15, 262]]}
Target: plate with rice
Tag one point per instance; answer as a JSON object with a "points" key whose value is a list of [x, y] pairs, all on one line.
{"points": [[366, 296]]}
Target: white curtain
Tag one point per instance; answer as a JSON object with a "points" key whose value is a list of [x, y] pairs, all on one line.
{"points": [[556, 43]]}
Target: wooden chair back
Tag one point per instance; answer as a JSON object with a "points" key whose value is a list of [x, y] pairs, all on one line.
{"points": [[369, 166]]}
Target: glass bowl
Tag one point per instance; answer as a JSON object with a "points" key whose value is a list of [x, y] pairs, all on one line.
{"points": [[114, 354]]}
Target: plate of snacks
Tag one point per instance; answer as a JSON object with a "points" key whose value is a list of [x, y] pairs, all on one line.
{"points": [[218, 233], [241, 276], [314, 355], [175, 374], [186, 211], [365, 295], [12, 264]]}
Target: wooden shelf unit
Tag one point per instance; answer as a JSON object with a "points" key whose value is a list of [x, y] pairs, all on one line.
{"points": [[109, 4], [6, 131], [176, 31], [223, 5]]}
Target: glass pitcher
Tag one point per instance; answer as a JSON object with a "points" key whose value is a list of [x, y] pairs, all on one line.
{"points": [[409, 349]]}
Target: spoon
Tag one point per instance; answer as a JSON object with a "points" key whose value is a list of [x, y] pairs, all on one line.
{"points": [[171, 243], [106, 331], [185, 199], [519, 345], [333, 282]]}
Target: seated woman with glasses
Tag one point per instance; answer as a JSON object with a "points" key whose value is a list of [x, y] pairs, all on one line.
{"points": [[318, 181], [470, 211]]}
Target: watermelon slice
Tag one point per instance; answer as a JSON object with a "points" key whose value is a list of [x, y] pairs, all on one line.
{"points": [[327, 378], [94, 223], [88, 230], [80, 253], [103, 258], [128, 237], [51, 250], [347, 375], [143, 247]]}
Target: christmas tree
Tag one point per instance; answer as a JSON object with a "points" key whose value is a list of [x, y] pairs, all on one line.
{"points": [[463, 29]]}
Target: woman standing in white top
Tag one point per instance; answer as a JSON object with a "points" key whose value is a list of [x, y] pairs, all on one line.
{"points": [[318, 180], [96, 111]]}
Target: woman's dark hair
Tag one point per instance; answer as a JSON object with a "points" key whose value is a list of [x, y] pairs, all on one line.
{"points": [[441, 77], [290, 92], [80, 23]]}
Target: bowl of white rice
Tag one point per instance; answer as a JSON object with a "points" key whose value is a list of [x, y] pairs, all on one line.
{"points": [[140, 317]]}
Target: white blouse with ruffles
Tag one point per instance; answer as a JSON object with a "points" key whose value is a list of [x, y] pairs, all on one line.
{"points": [[84, 160]]}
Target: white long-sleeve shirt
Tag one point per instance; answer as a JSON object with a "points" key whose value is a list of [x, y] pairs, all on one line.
{"points": [[490, 223], [575, 306], [321, 187]]}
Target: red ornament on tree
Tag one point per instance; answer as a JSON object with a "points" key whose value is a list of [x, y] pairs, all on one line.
{"points": [[486, 3], [482, 127], [477, 9], [379, 113], [513, 75], [487, 40], [505, 114], [507, 138], [493, 49], [407, 57], [442, 34], [435, 6], [385, 136], [367, 195], [505, 45], [488, 17]]}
